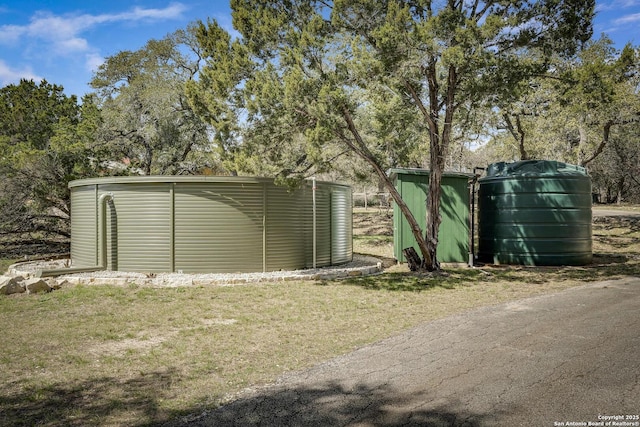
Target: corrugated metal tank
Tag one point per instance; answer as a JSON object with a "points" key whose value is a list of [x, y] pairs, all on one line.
{"points": [[535, 212], [210, 224], [453, 235]]}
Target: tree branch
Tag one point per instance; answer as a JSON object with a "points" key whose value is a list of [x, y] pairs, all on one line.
{"points": [[606, 131], [360, 147]]}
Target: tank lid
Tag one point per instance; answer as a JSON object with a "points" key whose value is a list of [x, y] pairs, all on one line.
{"points": [[534, 168]]}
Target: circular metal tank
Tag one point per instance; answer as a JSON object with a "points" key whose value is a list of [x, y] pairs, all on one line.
{"points": [[535, 212], [206, 224]]}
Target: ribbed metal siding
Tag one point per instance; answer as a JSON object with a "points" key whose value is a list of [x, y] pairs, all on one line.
{"points": [[341, 225], [453, 236], [307, 236], [413, 189], [210, 224], [218, 227], [83, 226], [285, 228], [143, 217], [323, 226], [541, 218]]}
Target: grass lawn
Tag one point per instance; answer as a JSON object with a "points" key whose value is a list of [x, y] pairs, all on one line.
{"points": [[132, 356]]}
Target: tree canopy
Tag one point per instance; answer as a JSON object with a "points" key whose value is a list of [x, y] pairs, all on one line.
{"points": [[148, 125], [42, 147], [311, 74], [583, 110]]}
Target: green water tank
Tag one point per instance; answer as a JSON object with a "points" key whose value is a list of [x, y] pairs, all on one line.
{"points": [[535, 212]]}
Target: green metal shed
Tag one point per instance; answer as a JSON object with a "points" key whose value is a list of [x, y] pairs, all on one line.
{"points": [[453, 237]]}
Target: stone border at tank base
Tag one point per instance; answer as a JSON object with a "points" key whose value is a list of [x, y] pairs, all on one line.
{"points": [[361, 265]]}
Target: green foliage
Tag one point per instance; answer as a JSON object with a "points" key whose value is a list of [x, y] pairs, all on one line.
{"points": [[221, 104], [616, 173], [575, 109], [381, 79], [148, 126], [44, 143], [29, 111]]}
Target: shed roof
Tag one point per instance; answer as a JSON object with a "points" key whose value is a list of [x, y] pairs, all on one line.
{"points": [[394, 172]]}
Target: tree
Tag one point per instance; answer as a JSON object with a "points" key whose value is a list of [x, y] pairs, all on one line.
{"points": [[148, 123], [311, 67], [44, 140], [616, 172], [29, 112], [572, 111], [600, 94], [221, 105]]}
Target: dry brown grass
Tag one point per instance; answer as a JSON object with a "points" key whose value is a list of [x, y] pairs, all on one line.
{"points": [[112, 356]]}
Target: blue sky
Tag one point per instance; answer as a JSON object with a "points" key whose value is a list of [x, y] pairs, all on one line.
{"points": [[64, 41]]}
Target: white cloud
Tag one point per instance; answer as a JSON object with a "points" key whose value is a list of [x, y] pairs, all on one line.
{"points": [[628, 19], [93, 61], [9, 75], [10, 34], [172, 12], [73, 44], [616, 4], [63, 33]]}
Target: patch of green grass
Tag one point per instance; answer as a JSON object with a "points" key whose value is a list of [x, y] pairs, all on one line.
{"points": [[415, 282], [5, 263]]}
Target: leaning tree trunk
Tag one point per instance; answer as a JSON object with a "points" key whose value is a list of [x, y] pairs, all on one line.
{"points": [[360, 148], [427, 260]]}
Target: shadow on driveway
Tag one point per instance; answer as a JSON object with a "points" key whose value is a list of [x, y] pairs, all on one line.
{"points": [[333, 404]]}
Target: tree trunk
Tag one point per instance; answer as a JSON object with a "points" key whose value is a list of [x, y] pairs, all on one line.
{"points": [[413, 260], [619, 191], [517, 133], [438, 150], [360, 148], [423, 245], [433, 215], [427, 259], [606, 131]]}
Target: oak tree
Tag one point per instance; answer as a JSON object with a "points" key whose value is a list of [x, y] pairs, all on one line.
{"points": [[148, 125]]}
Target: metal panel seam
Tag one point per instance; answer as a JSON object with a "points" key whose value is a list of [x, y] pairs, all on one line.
{"points": [[331, 226], [95, 207], [172, 225], [264, 227]]}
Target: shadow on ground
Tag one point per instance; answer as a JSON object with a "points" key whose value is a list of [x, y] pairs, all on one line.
{"points": [[632, 222], [604, 266], [332, 404], [95, 402], [136, 402]]}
